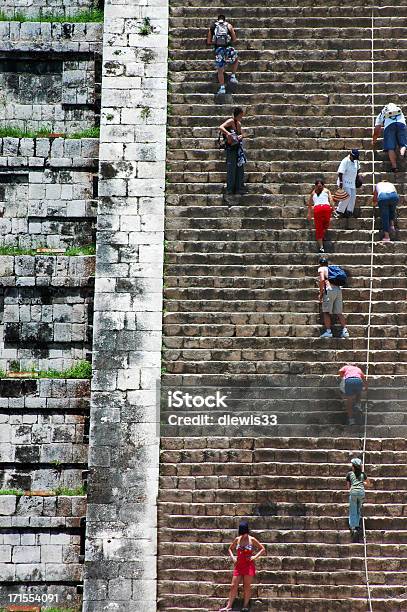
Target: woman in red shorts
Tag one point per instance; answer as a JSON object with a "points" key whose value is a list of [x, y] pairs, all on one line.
{"points": [[244, 546], [321, 204]]}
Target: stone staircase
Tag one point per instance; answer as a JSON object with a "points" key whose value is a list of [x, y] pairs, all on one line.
{"points": [[293, 493], [241, 307], [241, 289]]}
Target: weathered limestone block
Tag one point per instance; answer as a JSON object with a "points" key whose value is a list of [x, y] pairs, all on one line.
{"points": [[128, 284]]}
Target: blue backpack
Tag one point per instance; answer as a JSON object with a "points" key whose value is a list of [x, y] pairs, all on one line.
{"points": [[337, 276]]}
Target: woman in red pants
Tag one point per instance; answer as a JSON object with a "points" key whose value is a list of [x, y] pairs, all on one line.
{"points": [[321, 202], [245, 568]]}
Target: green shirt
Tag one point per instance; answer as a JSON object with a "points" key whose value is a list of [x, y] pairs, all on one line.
{"points": [[357, 484]]}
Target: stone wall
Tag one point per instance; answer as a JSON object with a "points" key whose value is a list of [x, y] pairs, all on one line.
{"points": [[33, 8], [120, 564], [49, 75], [45, 325], [48, 193], [50, 552]]}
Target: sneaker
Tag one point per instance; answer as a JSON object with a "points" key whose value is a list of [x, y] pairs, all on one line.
{"points": [[392, 228], [355, 536], [221, 90], [351, 421], [327, 334], [344, 334], [321, 250], [385, 240], [233, 79], [338, 215]]}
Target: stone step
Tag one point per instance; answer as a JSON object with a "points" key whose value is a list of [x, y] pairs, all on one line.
{"points": [[278, 304], [362, 77], [260, 319], [276, 208], [209, 589], [284, 463], [288, 494], [267, 442], [237, 13], [279, 247], [322, 4], [335, 234], [236, 294], [273, 383], [271, 576], [283, 563], [212, 117], [217, 487], [285, 343], [295, 602], [253, 88], [188, 280], [351, 227], [295, 66], [384, 255], [292, 551], [206, 363]]}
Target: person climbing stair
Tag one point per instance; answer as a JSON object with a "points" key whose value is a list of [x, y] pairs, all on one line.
{"points": [[330, 296], [356, 480], [320, 206], [353, 381], [392, 119], [220, 35]]}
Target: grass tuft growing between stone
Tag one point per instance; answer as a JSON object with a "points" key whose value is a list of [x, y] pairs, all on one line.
{"points": [[93, 132], [81, 369], [81, 490], [146, 28], [81, 250], [89, 16], [8, 131], [17, 492], [89, 249]]}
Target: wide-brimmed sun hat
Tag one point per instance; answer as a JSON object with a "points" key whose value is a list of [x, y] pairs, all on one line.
{"points": [[339, 195]]}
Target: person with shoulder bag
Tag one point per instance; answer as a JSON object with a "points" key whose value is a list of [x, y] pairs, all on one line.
{"points": [[231, 130], [348, 180], [331, 280]]}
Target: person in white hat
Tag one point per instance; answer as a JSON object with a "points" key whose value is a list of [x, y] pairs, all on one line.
{"points": [[392, 119], [357, 480]]}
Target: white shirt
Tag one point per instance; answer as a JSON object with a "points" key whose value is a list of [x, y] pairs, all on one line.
{"points": [[349, 169], [385, 187], [381, 119], [321, 199]]}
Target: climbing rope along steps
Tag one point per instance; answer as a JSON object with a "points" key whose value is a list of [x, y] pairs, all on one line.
{"points": [[369, 595]]}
